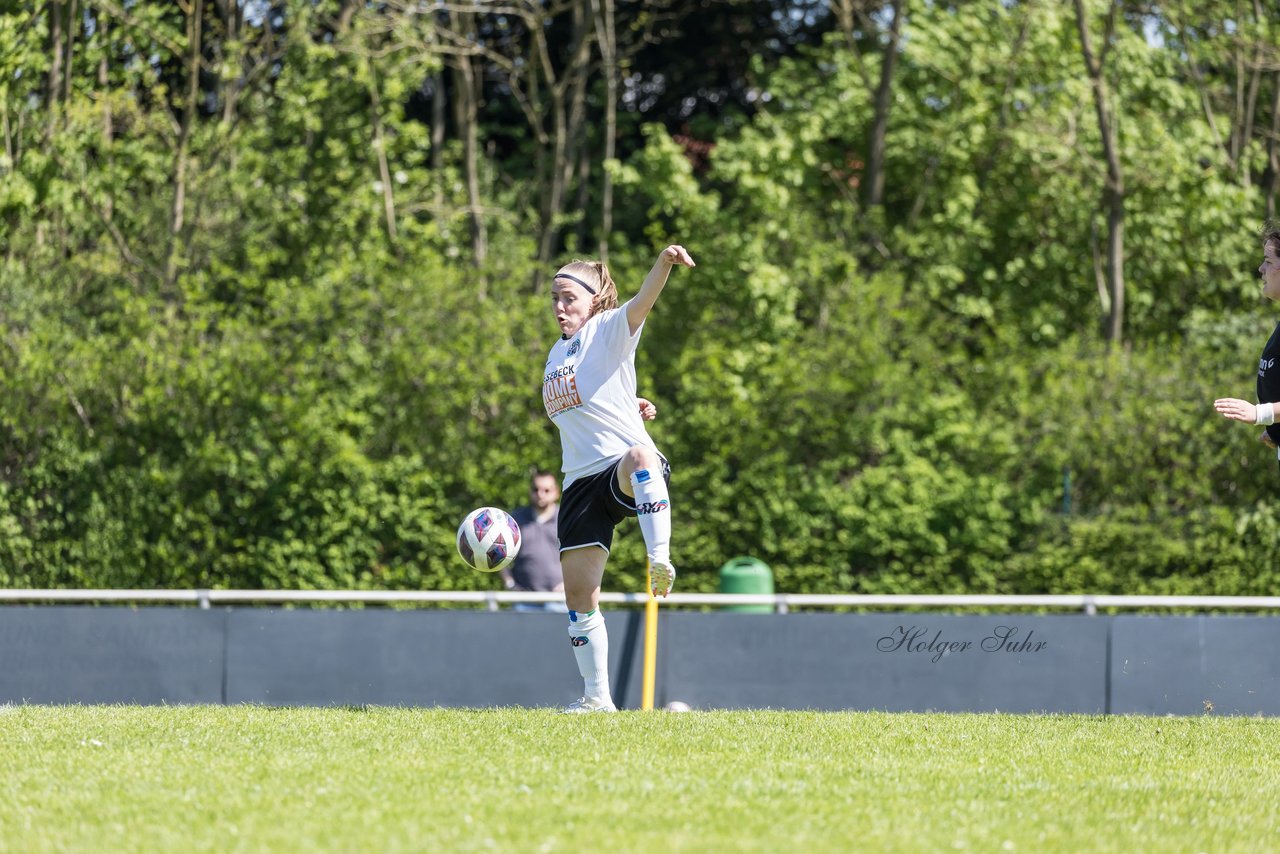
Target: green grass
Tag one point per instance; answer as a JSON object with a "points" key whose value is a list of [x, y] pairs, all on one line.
{"points": [[251, 778]]}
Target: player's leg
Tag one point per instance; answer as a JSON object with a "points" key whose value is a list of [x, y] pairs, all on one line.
{"points": [[641, 476], [583, 569]]}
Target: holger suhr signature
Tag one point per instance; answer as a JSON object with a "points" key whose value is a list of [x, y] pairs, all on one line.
{"points": [[917, 639]]}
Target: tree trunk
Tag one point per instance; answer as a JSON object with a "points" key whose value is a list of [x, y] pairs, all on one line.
{"points": [[177, 214], [69, 65], [543, 165], [1113, 188], [101, 25], [874, 174], [380, 148], [12, 154], [1115, 259], [466, 115], [607, 37], [54, 86], [1273, 150], [471, 157], [1099, 273], [580, 233], [349, 9], [439, 102], [577, 155], [553, 203], [1250, 109], [844, 12], [232, 20], [564, 114]]}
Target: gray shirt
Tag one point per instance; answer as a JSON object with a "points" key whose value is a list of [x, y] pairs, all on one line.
{"points": [[537, 565]]}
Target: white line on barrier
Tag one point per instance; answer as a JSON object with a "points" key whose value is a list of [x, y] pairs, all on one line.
{"points": [[781, 602]]}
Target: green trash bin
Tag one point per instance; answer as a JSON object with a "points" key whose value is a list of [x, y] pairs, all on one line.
{"points": [[747, 575]]}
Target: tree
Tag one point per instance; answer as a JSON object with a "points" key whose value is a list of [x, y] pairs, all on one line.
{"points": [[1113, 197]]}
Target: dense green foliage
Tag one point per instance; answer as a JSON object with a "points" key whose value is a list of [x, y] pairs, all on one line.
{"points": [[248, 340], [202, 778]]}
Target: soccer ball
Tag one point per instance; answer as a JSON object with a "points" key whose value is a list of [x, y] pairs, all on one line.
{"points": [[488, 539]]}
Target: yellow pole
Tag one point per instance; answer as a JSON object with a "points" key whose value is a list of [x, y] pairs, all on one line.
{"points": [[650, 648]]}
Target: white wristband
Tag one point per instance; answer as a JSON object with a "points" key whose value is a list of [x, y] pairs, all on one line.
{"points": [[1264, 413]]}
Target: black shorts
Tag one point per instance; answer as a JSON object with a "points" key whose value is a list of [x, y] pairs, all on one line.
{"points": [[593, 505]]}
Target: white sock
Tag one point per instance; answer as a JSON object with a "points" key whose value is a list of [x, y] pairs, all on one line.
{"points": [[653, 509], [591, 649]]}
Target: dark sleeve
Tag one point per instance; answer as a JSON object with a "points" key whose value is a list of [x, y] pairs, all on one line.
{"points": [[522, 515]]}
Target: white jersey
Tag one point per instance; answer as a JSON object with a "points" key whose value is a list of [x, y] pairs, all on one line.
{"points": [[589, 390]]}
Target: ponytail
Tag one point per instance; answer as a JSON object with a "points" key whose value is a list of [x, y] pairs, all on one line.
{"points": [[587, 272], [608, 296]]}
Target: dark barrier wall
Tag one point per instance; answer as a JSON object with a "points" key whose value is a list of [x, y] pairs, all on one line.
{"points": [[897, 662], [1192, 665], [894, 662], [111, 655], [420, 658]]}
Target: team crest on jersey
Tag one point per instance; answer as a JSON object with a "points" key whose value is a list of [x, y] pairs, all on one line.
{"points": [[574, 347]]}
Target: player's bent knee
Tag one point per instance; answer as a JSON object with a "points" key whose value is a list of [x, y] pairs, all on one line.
{"points": [[641, 457]]}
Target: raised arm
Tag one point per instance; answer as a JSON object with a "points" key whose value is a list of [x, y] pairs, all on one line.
{"points": [[642, 303]]}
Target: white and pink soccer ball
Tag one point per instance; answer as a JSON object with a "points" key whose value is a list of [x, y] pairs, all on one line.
{"points": [[488, 539]]}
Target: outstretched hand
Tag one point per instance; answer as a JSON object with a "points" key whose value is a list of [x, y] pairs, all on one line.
{"points": [[677, 255], [1242, 410], [1236, 409]]}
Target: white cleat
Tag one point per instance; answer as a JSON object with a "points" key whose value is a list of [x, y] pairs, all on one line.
{"points": [[662, 577], [586, 705]]}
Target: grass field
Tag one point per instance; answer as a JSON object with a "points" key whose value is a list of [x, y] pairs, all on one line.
{"points": [[252, 778]]}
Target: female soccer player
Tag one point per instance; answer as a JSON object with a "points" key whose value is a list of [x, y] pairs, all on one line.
{"points": [[612, 469], [1264, 413]]}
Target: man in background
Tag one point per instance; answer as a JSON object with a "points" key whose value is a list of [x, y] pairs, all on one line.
{"points": [[537, 565]]}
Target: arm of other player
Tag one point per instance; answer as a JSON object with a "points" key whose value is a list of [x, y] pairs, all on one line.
{"points": [[641, 304]]}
